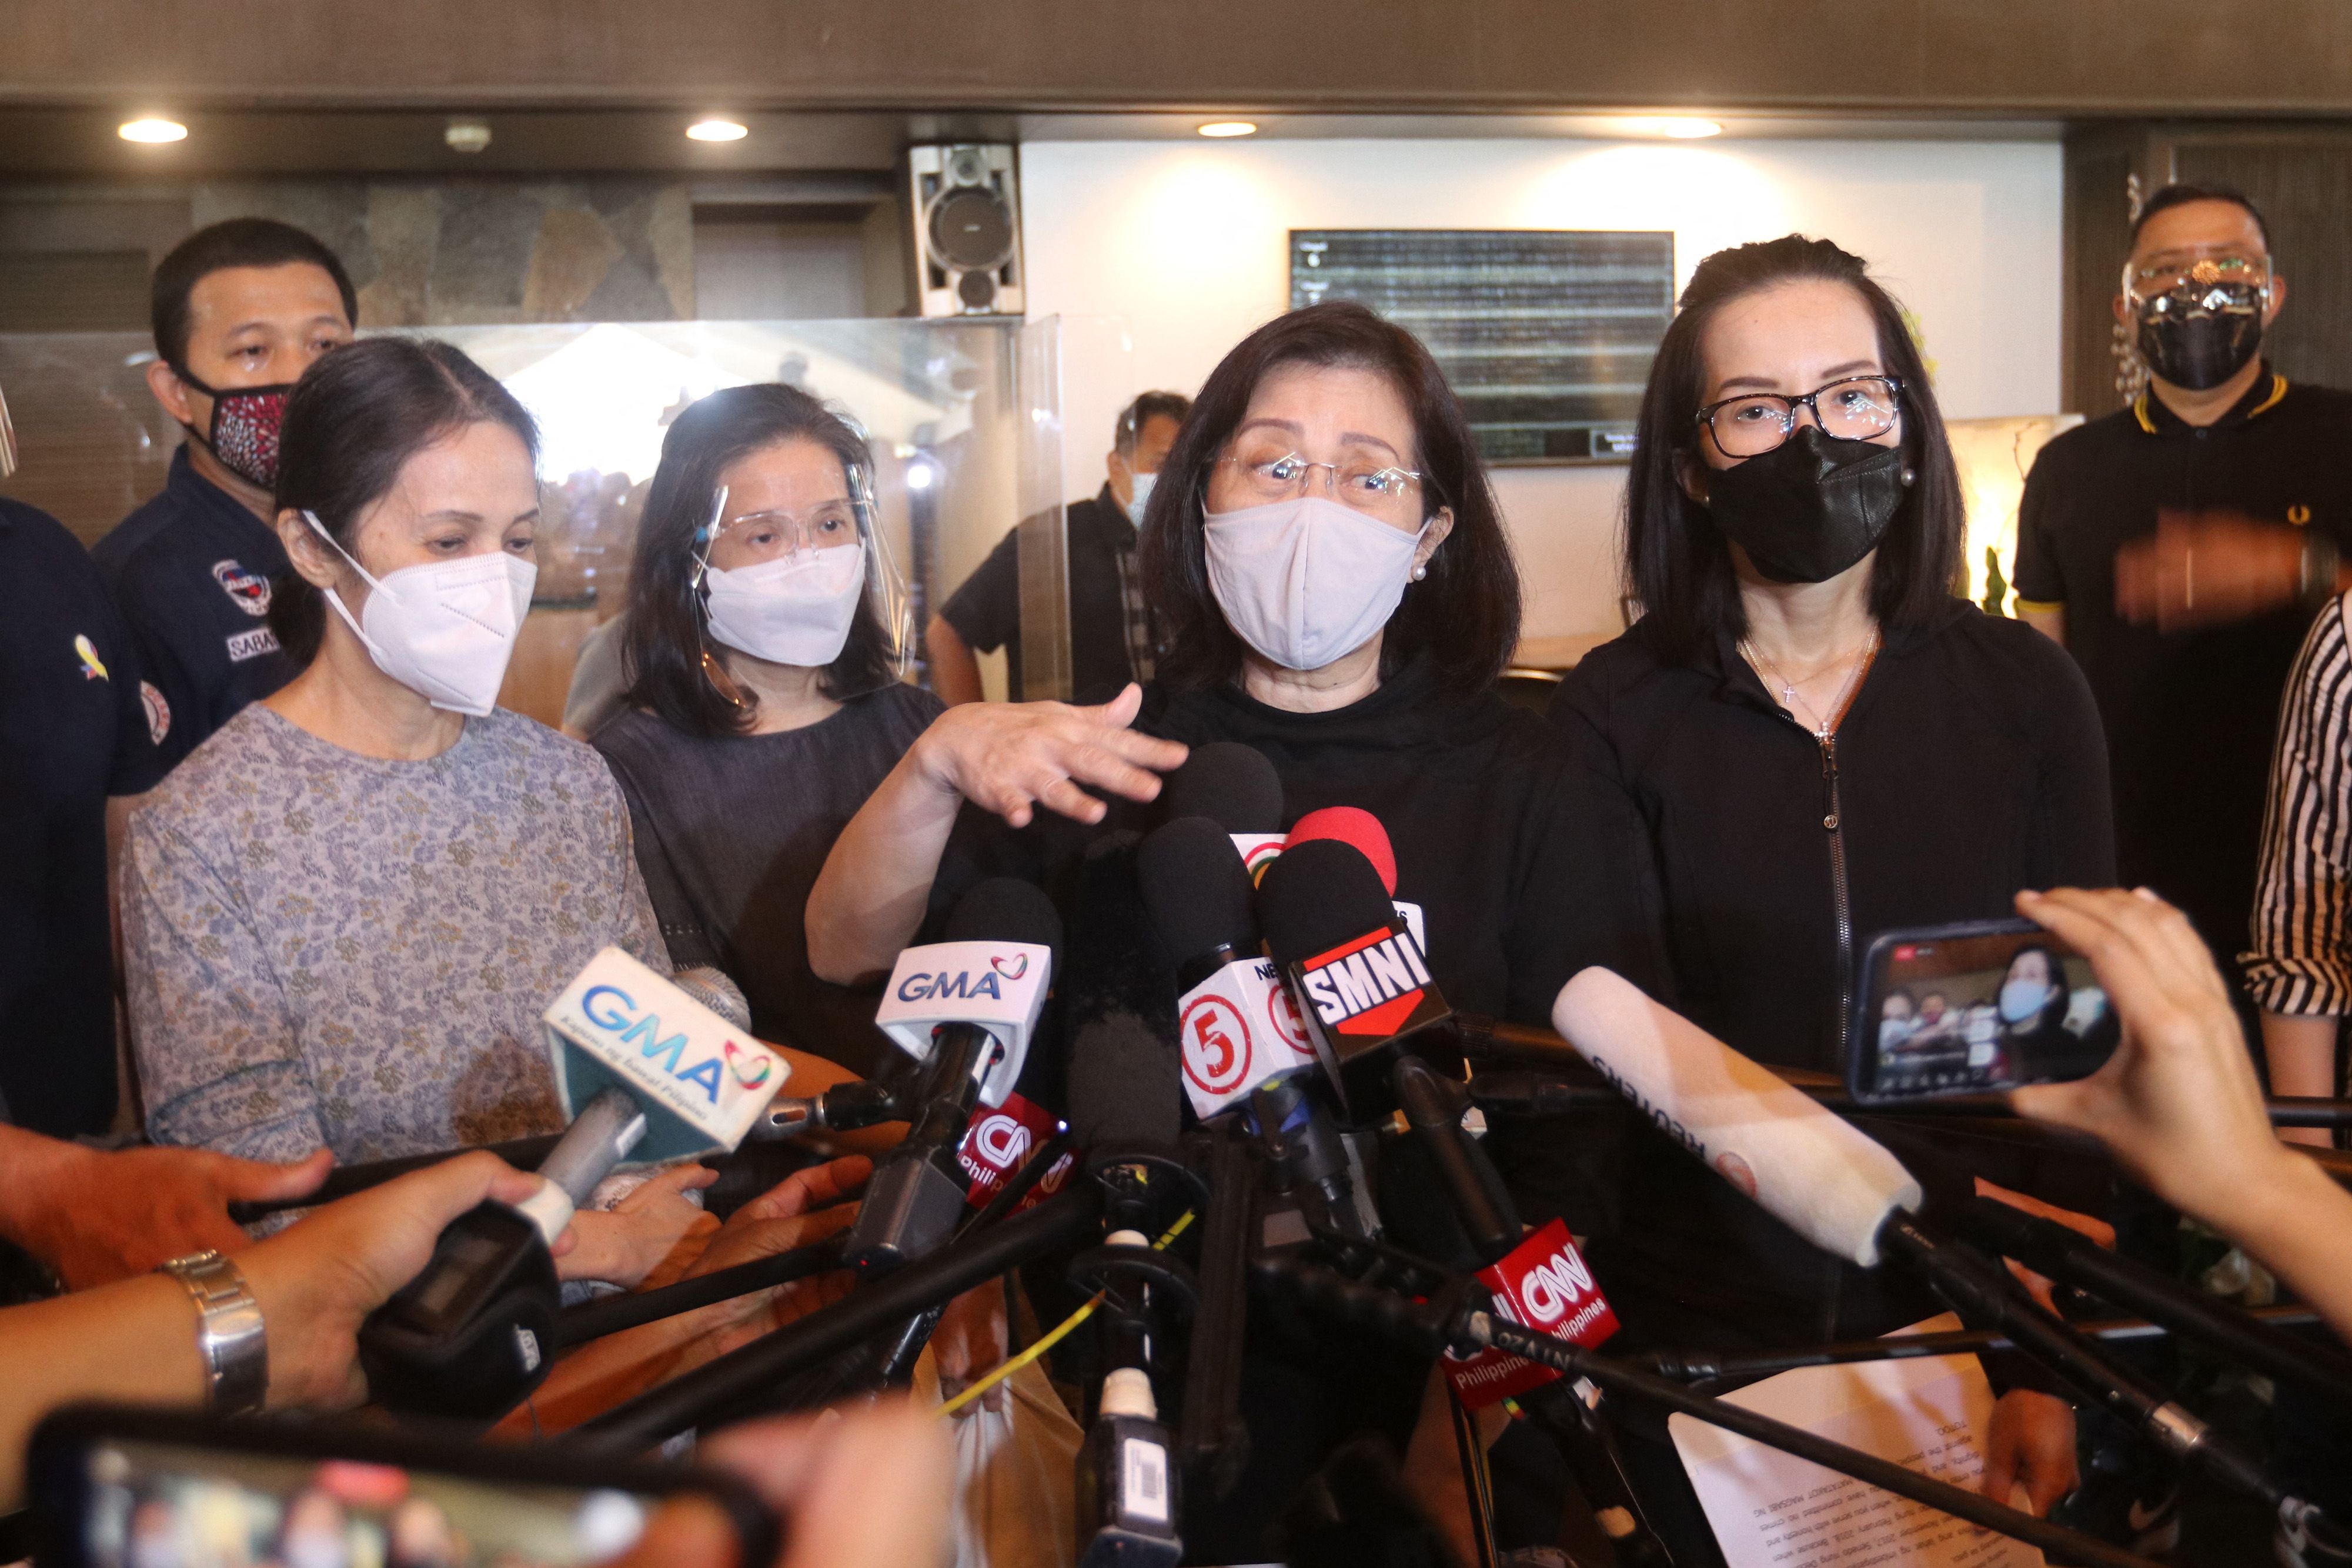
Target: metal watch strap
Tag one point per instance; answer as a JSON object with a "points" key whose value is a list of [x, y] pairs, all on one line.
{"points": [[229, 1331]]}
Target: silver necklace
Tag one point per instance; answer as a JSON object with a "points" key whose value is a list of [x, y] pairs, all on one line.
{"points": [[1820, 726]]}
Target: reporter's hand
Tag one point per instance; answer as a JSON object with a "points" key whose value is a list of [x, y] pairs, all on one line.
{"points": [[1011, 758], [320, 1276], [2207, 569], [2178, 1103], [639, 1236], [806, 1208], [859, 1489], [2030, 1441], [97, 1216]]}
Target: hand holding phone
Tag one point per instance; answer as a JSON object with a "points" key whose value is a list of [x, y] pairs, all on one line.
{"points": [[121, 1487], [1973, 1009]]}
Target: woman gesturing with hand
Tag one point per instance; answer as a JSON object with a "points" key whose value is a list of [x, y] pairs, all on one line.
{"points": [[1008, 760]]}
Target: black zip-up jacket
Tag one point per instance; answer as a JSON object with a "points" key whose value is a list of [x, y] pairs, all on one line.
{"points": [[1970, 764]]}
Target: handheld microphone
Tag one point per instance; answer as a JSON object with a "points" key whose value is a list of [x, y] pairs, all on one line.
{"points": [[1119, 1007], [1236, 1020], [649, 1071], [1234, 787], [1849, 1197], [717, 990], [965, 1008], [1358, 972], [1231, 784], [1830, 1184]]}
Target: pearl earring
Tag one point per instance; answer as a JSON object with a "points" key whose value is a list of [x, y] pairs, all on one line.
{"points": [[1420, 572]]}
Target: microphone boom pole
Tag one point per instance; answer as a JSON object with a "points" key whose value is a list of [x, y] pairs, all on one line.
{"points": [[703, 1395]]}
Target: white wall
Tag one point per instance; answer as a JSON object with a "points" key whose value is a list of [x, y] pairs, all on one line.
{"points": [[1189, 242]]}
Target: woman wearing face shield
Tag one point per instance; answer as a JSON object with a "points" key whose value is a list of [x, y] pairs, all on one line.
{"points": [[764, 649], [343, 913], [1821, 744]]}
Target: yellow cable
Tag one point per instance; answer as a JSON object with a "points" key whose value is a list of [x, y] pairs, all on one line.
{"points": [[1061, 1331]]}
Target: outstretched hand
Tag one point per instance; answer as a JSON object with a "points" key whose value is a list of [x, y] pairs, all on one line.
{"points": [[96, 1217], [1012, 758]]}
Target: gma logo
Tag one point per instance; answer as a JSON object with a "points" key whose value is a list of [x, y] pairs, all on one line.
{"points": [[613, 1010]]}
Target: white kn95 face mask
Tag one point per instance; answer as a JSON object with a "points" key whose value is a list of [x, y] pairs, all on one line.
{"points": [[792, 611], [444, 629]]}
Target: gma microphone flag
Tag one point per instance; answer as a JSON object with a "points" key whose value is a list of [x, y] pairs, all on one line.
{"points": [[999, 987], [700, 1081]]}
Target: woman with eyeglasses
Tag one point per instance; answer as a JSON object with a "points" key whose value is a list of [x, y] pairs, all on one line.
{"points": [[763, 650], [1822, 743], [1331, 574]]}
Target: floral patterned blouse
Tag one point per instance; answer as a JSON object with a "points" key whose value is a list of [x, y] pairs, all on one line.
{"points": [[322, 947]]}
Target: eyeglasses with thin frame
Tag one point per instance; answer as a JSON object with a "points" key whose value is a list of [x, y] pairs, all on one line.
{"points": [[1853, 408], [1274, 473]]}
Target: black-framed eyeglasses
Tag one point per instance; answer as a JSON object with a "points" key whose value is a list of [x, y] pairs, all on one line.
{"points": [[1853, 408]]}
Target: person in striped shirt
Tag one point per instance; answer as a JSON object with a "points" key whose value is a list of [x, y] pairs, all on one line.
{"points": [[2299, 968]]}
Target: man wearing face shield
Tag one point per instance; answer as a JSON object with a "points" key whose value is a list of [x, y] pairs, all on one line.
{"points": [[2179, 547], [240, 310], [1112, 636]]}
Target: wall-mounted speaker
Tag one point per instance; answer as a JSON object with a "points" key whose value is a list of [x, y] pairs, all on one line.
{"points": [[964, 202]]}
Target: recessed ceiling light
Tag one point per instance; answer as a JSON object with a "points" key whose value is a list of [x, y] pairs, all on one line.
{"points": [[1224, 127], [1675, 127], [717, 131], [465, 135], [152, 130]]}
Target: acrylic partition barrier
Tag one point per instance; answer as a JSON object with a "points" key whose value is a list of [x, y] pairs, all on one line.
{"points": [[964, 418]]}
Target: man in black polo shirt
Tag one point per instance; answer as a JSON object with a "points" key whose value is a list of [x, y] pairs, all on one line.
{"points": [[1111, 635], [240, 310], [2186, 652], [76, 731]]}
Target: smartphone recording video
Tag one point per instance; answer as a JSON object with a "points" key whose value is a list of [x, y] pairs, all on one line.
{"points": [[1969, 1009], [122, 1488]]}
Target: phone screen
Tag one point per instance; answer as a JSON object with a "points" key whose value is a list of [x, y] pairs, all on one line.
{"points": [[1967, 1010], [151, 1504]]}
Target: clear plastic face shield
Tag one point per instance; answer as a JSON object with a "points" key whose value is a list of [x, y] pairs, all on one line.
{"points": [[785, 584], [2197, 312]]}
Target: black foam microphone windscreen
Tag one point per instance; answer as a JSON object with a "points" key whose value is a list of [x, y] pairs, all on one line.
{"points": [[1318, 896], [1006, 909], [1198, 893], [1231, 784], [1123, 1080]]}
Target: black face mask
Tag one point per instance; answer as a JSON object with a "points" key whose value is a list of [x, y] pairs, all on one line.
{"points": [[2200, 343], [1811, 506]]}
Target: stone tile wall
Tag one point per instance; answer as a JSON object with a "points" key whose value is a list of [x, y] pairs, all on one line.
{"points": [[489, 250]]}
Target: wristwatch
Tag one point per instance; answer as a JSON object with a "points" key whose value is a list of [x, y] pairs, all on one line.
{"points": [[228, 1331]]}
